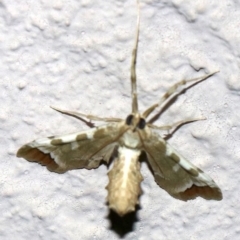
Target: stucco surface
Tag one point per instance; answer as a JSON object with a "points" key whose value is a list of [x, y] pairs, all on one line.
{"points": [[76, 55]]}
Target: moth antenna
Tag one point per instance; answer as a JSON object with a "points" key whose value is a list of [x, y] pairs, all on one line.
{"points": [[133, 65], [81, 116]]}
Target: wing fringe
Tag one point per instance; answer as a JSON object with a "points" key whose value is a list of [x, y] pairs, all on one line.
{"points": [[35, 155], [205, 192]]}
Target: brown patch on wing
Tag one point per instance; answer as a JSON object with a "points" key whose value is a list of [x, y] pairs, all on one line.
{"points": [[192, 172], [57, 141], [35, 155], [175, 157], [81, 136], [199, 170], [205, 192], [99, 133]]}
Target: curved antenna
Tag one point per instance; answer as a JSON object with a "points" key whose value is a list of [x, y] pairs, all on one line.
{"points": [[133, 66]]}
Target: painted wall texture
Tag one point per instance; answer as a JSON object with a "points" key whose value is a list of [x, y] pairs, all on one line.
{"points": [[76, 55]]}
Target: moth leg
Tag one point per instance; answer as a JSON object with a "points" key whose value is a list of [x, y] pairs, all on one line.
{"points": [[173, 89], [90, 117], [175, 125]]}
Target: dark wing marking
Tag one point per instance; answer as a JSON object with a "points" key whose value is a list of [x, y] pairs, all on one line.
{"points": [[79, 150], [180, 178]]}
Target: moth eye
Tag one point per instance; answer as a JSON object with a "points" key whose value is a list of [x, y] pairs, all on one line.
{"points": [[141, 123], [129, 119]]}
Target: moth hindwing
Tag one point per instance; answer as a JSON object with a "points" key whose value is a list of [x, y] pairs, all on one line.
{"points": [[128, 138]]}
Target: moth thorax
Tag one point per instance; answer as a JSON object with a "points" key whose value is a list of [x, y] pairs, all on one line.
{"points": [[124, 182], [131, 139]]}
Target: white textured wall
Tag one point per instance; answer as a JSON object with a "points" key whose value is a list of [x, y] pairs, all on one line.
{"points": [[76, 55]]}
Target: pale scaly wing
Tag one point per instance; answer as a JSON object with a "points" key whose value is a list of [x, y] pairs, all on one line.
{"points": [[180, 178], [78, 150]]}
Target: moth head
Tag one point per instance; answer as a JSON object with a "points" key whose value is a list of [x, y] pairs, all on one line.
{"points": [[135, 121]]}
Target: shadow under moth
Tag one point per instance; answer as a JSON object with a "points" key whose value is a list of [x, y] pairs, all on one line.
{"points": [[128, 137]]}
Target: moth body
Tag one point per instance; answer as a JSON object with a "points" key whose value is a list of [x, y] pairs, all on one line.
{"points": [[87, 149], [124, 181]]}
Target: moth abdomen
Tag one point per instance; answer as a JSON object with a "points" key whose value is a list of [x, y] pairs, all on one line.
{"points": [[124, 182]]}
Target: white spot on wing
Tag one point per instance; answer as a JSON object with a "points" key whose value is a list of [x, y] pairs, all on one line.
{"points": [[74, 145], [176, 167]]}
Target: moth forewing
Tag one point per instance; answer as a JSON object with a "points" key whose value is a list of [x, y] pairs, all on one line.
{"points": [[124, 181], [180, 178], [78, 150]]}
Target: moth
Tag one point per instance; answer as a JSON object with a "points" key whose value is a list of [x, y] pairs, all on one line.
{"points": [[128, 138]]}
